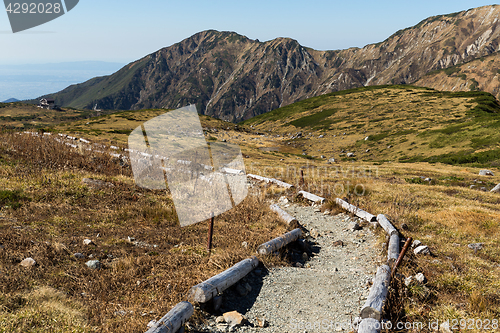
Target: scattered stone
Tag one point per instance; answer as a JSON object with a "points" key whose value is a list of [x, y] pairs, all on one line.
{"points": [[338, 243], [496, 189], [94, 264], [485, 172], [28, 262], [323, 156], [326, 212], [131, 239], [472, 186], [234, 318], [88, 242], [350, 155], [317, 210], [79, 255], [262, 323], [244, 244], [314, 233], [321, 136], [96, 183], [408, 280], [475, 246], [389, 146], [367, 138], [416, 243], [404, 226], [420, 278], [353, 226], [331, 160], [428, 179], [422, 249], [484, 189], [283, 200], [220, 320], [367, 151]]}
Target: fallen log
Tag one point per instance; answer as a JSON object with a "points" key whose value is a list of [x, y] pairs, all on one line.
{"points": [[311, 197], [282, 214], [356, 211], [378, 294], [384, 223], [277, 243], [393, 250], [206, 290], [174, 319], [369, 325]]}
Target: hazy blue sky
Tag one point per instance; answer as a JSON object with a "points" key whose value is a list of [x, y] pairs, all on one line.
{"points": [[123, 30]]}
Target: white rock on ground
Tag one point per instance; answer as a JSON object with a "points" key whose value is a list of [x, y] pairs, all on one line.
{"points": [[496, 189], [486, 172], [422, 249], [420, 278], [28, 262]]}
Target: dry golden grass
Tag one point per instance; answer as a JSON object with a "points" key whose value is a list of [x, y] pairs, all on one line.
{"points": [[47, 212]]}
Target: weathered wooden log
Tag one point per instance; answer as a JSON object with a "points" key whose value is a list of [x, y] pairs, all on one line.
{"points": [[496, 189], [270, 180], [393, 250], [311, 197], [384, 223], [205, 291], [174, 319], [282, 214], [356, 211], [378, 294], [369, 325], [279, 242]]}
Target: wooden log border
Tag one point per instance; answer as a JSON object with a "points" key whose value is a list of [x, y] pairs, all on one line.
{"points": [[174, 319], [311, 197], [270, 180], [378, 294], [206, 290], [356, 211], [283, 214], [279, 242]]}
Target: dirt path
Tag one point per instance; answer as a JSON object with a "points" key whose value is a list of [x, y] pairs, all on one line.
{"points": [[324, 295]]}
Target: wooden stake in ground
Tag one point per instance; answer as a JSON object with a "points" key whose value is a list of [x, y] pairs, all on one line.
{"points": [[210, 234]]}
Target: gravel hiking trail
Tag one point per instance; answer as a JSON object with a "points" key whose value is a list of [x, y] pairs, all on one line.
{"points": [[323, 292]]}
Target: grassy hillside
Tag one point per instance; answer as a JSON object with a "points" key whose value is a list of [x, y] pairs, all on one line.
{"points": [[391, 123], [22, 115]]}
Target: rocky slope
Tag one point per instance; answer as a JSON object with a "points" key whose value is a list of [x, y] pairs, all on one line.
{"points": [[235, 78], [480, 74]]}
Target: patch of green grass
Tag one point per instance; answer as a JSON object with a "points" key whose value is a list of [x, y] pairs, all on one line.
{"points": [[12, 199], [312, 119]]}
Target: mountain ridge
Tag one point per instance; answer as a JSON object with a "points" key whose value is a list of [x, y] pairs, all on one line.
{"points": [[234, 78]]}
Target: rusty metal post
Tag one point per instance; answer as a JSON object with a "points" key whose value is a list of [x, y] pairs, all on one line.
{"points": [[210, 234], [401, 255], [302, 177]]}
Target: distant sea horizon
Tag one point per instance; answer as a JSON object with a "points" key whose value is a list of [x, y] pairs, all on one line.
{"points": [[30, 81]]}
